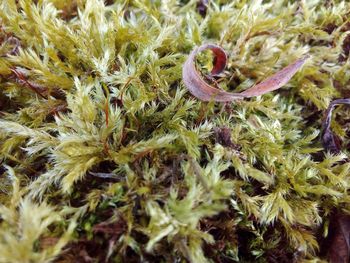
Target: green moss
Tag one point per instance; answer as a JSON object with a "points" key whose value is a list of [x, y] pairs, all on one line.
{"points": [[106, 156]]}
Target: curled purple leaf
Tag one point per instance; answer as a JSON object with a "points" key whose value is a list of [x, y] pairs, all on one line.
{"points": [[330, 141], [203, 91]]}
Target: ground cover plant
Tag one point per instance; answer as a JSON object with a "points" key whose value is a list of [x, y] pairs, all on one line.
{"points": [[106, 156]]}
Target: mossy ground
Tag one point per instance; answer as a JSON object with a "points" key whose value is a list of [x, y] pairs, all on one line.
{"points": [[106, 157]]}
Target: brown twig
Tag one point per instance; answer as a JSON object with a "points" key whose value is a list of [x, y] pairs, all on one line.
{"points": [[23, 80]]}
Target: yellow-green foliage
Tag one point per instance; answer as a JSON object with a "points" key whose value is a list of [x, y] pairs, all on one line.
{"points": [[24, 223], [97, 130]]}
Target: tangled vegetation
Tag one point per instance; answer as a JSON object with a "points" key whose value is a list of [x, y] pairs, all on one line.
{"points": [[106, 157]]}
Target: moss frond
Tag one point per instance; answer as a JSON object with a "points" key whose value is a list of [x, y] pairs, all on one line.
{"points": [[101, 144]]}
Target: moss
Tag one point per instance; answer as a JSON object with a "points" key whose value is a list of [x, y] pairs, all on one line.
{"points": [[107, 157]]}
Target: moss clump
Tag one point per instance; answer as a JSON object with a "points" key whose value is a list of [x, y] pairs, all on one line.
{"points": [[107, 157]]}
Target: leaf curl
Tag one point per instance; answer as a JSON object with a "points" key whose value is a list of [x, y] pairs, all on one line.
{"points": [[205, 92]]}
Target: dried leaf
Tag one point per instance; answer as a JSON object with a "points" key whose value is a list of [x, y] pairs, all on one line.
{"points": [[330, 141], [339, 242], [203, 91]]}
